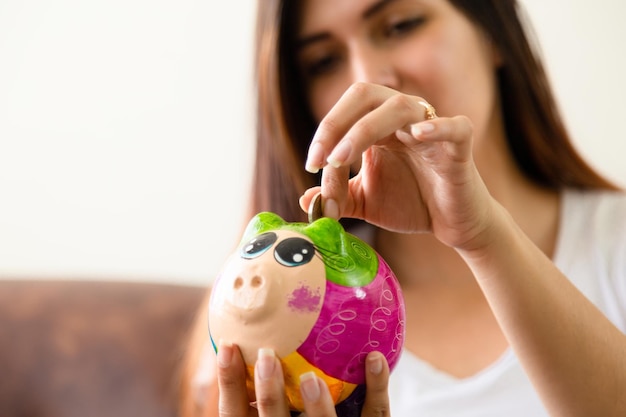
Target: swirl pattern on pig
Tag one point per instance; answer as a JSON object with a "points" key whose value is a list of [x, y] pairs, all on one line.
{"points": [[349, 327]]}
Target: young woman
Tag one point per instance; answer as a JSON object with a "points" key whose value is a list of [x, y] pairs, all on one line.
{"points": [[510, 250]]}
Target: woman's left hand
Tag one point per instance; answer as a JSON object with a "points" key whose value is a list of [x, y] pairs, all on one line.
{"points": [[270, 388]]}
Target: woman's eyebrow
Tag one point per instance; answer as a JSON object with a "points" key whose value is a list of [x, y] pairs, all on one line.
{"points": [[376, 8], [304, 42], [367, 14]]}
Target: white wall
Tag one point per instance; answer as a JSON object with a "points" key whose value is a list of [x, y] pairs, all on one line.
{"points": [[583, 46], [125, 136], [126, 129]]}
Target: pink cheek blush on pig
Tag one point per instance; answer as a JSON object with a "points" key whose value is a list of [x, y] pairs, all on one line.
{"points": [[321, 298]]}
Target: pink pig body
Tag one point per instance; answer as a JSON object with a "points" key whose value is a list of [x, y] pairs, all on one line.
{"points": [[355, 321]]}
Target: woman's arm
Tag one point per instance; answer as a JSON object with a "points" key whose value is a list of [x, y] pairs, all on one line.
{"points": [[573, 354]]}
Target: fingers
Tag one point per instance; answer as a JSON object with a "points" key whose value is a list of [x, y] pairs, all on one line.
{"points": [[358, 121], [376, 125], [334, 191], [269, 385], [377, 381], [359, 99], [334, 194], [318, 402], [268, 381], [457, 130], [343, 198], [231, 377], [307, 197], [316, 396], [397, 138]]}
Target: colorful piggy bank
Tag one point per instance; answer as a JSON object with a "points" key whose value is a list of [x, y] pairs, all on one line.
{"points": [[321, 298]]}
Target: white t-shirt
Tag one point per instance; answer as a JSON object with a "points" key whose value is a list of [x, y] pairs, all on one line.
{"points": [[591, 252]]}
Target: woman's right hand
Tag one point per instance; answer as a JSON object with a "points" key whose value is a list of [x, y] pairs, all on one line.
{"points": [[270, 388], [417, 172]]}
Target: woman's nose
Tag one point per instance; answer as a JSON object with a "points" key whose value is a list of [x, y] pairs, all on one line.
{"points": [[372, 65]]}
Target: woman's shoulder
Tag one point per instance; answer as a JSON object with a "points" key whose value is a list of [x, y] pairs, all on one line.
{"points": [[594, 220], [596, 197], [592, 248], [593, 209]]}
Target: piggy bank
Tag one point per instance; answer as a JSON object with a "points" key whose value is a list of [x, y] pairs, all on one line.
{"points": [[321, 298]]}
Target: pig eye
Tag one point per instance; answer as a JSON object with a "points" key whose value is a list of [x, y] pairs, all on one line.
{"points": [[258, 245], [294, 251]]}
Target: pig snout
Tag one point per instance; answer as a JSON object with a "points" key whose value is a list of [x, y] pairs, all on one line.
{"points": [[249, 291]]}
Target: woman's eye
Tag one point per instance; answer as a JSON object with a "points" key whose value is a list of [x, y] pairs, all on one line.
{"points": [[258, 245], [321, 66], [294, 251], [402, 27]]}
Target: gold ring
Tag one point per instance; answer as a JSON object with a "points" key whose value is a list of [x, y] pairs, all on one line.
{"points": [[429, 112]]}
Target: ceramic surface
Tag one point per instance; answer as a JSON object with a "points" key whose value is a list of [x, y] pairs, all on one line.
{"points": [[321, 298]]}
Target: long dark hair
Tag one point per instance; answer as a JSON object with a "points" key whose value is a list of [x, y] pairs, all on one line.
{"points": [[535, 130]]}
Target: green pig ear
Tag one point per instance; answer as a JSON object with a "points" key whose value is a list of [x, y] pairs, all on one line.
{"points": [[349, 261], [261, 223]]}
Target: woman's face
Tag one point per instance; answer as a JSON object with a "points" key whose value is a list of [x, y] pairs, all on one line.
{"points": [[419, 47]]}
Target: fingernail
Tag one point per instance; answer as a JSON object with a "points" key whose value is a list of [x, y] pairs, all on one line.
{"points": [[331, 209], [405, 135], [266, 362], [301, 203], [340, 154], [309, 387], [375, 363], [422, 128], [224, 354], [315, 158]]}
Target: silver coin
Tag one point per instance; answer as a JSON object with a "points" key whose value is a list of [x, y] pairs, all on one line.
{"points": [[315, 208]]}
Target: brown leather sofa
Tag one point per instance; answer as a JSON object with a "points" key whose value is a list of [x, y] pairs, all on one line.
{"points": [[92, 349]]}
